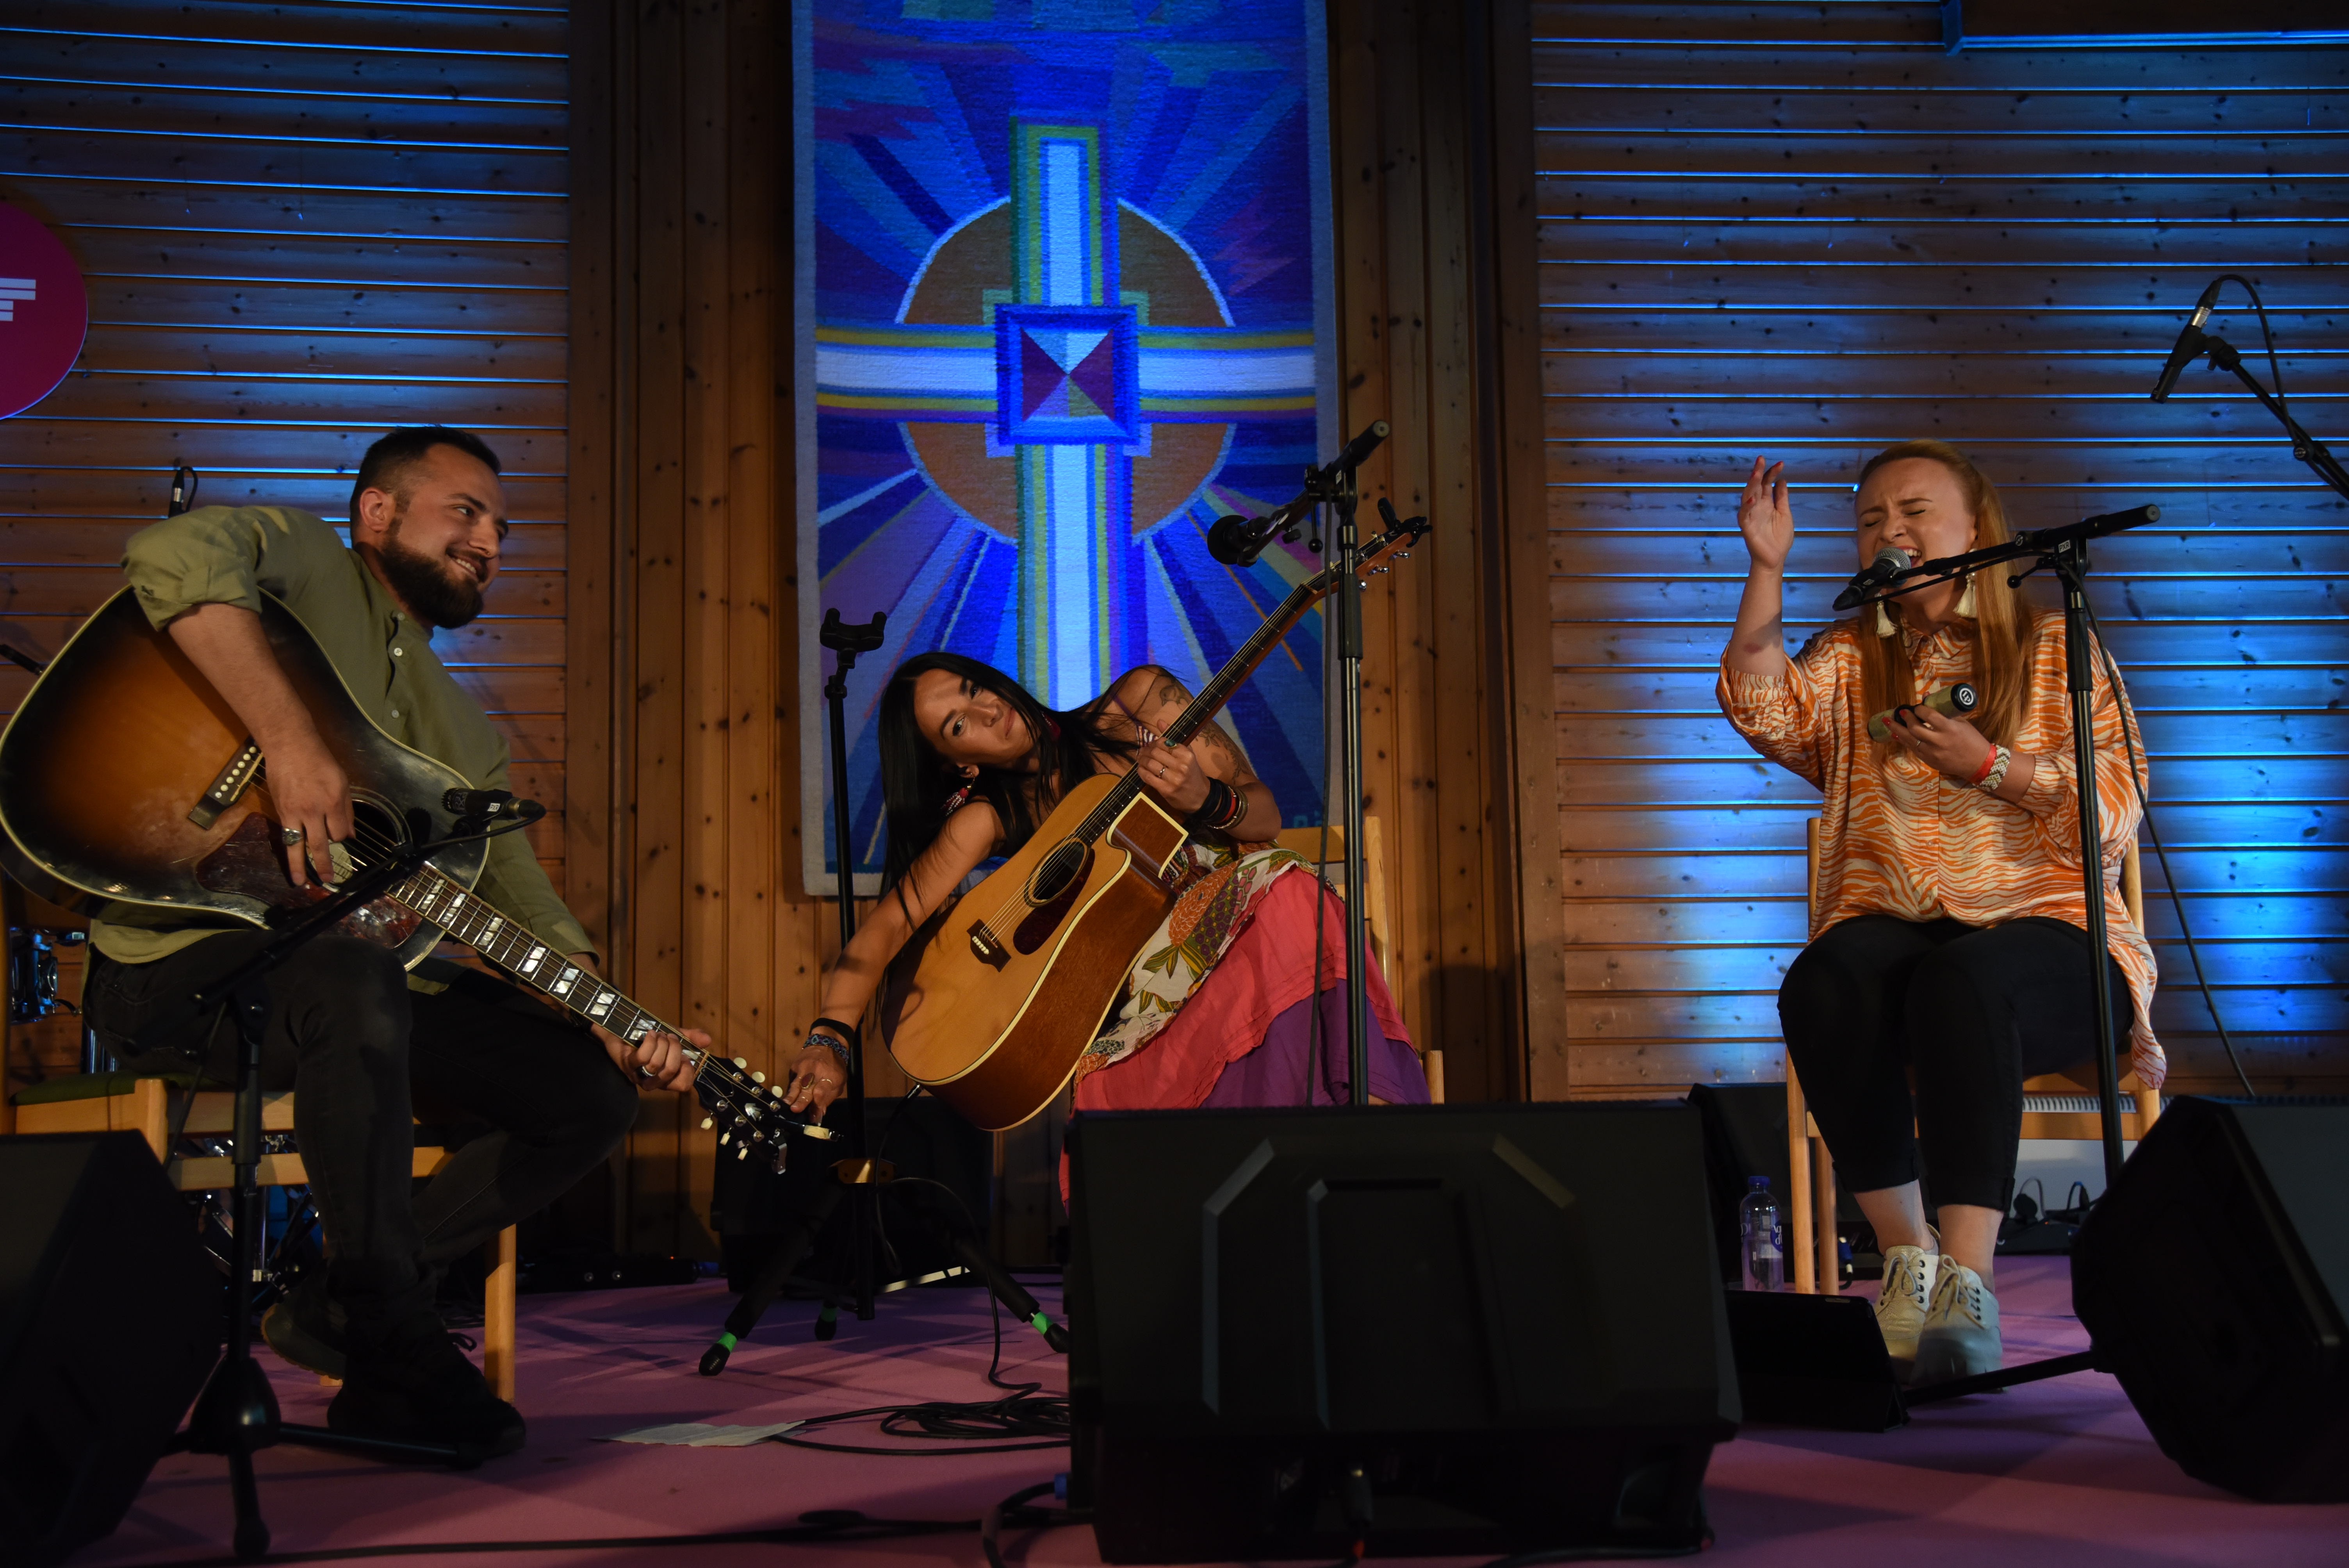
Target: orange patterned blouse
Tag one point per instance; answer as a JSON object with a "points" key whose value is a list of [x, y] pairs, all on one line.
{"points": [[1904, 840]]}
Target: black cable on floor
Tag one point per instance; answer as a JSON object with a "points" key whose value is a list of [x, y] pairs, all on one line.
{"points": [[822, 1526], [1019, 1511]]}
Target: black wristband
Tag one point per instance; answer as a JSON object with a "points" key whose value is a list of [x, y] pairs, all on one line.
{"points": [[845, 1031], [1212, 811]]}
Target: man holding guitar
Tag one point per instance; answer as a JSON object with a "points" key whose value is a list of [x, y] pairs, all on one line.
{"points": [[349, 1031]]}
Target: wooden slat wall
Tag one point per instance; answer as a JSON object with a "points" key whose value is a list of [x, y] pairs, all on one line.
{"points": [[300, 224], [683, 681], [1430, 129], [1803, 229]]}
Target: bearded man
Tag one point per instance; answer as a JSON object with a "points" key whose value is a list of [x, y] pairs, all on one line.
{"points": [[350, 1032]]}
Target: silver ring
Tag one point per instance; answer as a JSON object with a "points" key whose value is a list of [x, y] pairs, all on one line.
{"points": [[290, 835], [643, 1072]]}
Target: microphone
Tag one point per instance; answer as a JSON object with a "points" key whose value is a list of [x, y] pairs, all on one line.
{"points": [[1360, 447], [485, 805], [1889, 562], [2088, 528], [2189, 347], [1238, 541]]}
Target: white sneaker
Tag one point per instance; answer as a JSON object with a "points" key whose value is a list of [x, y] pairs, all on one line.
{"points": [[1960, 1334], [1902, 1305]]}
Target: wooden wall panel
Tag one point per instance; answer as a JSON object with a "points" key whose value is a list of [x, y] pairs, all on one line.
{"points": [[288, 250], [1430, 132], [679, 313], [1806, 230]]}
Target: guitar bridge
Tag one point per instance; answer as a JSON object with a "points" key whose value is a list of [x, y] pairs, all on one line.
{"points": [[986, 948], [233, 780]]}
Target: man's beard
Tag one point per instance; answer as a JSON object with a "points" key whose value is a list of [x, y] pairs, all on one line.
{"points": [[425, 583]]}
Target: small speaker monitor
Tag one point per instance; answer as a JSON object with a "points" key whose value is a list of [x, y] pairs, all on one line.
{"points": [[110, 1318], [1437, 1329]]}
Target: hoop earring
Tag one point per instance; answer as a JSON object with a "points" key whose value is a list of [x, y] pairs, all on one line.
{"points": [[1966, 599], [1884, 627]]}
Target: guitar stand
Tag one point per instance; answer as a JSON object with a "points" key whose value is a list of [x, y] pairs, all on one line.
{"points": [[236, 1413], [859, 1178]]}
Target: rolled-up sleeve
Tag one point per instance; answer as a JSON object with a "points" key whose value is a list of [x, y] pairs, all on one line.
{"points": [[1787, 718], [227, 555]]}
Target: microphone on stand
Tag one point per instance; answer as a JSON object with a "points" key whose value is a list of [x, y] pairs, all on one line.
{"points": [[2189, 347], [1238, 541], [1889, 562]]}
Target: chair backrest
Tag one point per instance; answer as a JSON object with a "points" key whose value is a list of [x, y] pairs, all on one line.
{"points": [[1308, 842]]}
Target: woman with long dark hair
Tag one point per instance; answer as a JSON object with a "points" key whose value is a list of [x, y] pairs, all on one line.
{"points": [[1218, 1009], [1948, 924]]}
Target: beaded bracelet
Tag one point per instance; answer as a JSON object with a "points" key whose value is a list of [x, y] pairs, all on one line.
{"points": [[1209, 817], [2000, 762]]}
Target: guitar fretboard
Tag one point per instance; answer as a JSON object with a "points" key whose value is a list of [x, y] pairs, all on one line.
{"points": [[1215, 693], [520, 952]]}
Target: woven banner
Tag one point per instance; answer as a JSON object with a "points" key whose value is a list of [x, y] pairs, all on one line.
{"points": [[1064, 281]]}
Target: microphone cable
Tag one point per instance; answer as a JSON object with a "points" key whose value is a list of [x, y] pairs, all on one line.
{"points": [[2145, 812]]}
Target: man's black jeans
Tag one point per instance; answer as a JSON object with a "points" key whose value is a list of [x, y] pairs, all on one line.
{"points": [[359, 1047]]}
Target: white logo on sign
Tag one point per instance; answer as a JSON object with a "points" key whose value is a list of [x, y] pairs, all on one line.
{"points": [[11, 291]]}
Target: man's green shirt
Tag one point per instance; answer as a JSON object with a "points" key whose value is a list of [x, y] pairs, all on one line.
{"points": [[230, 555]]}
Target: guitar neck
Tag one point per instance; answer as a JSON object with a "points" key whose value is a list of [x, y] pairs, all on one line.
{"points": [[1214, 694], [521, 953]]}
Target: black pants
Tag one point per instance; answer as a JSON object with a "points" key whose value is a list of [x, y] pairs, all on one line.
{"points": [[1973, 1011], [359, 1047]]}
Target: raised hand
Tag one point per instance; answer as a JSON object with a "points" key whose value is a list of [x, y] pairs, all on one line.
{"points": [[1765, 518]]}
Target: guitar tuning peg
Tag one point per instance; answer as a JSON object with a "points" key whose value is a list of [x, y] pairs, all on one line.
{"points": [[1402, 555], [757, 1078], [706, 1123], [775, 1089], [1361, 583], [741, 1062], [743, 1152], [1380, 570], [724, 1139]]}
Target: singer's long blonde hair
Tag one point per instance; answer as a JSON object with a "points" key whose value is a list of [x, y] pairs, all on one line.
{"points": [[2004, 627]]}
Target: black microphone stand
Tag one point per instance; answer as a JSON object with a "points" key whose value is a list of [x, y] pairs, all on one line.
{"points": [[1333, 485], [859, 1177], [237, 1413], [2064, 552]]}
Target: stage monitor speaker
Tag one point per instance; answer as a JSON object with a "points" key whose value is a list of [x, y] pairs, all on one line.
{"points": [[109, 1322], [2213, 1278], [1438, 1328]]}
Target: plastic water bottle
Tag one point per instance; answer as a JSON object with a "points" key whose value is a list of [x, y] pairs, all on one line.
{"points": [[1758, 1222]]}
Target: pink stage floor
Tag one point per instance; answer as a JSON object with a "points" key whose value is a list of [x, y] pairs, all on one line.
{"points": [[2060, 1472]]}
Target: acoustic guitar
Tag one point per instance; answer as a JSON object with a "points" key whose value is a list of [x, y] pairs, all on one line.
{"points": [[1015, 979], [125, 778]]}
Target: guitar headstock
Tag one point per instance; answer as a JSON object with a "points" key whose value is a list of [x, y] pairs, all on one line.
{"points": [[748, 1113], [1392, 544]]}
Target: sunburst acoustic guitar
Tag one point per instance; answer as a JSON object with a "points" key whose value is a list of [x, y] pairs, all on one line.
{"points": [[1015, 979], [125, 777]]}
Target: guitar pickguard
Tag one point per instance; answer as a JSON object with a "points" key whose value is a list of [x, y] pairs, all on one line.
{"points": [[251, 864]]}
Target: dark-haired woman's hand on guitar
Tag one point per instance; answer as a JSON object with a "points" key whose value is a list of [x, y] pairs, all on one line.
{"points": [[817, 1079], [1172, 774]]}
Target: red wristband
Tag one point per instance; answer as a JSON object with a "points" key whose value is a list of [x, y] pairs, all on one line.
{"points": [[1983, 772]]}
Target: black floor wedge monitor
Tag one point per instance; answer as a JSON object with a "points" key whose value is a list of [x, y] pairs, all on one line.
{"points": [[2214, 1279], [1430, 1329]]}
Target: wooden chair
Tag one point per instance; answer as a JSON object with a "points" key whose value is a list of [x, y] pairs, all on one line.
{"points": [[1306, 842], [122, 1102], [2053, 1106]]}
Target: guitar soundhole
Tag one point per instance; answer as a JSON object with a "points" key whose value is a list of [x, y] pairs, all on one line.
{"points": [[1060, 869]]}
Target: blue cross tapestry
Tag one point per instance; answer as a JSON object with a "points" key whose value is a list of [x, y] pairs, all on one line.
{"points": [[1064, 292]]}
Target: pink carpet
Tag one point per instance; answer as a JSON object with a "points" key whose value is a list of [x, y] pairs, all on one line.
{"points": [[2060, 1472]]}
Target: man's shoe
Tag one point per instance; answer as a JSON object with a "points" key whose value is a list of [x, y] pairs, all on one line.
{"points": [[1900, 1306], [308, 1327], [411, 1383], [1961, 1335]]}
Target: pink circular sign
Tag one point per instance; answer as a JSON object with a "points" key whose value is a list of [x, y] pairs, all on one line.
{"points": [[44, 311]]}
